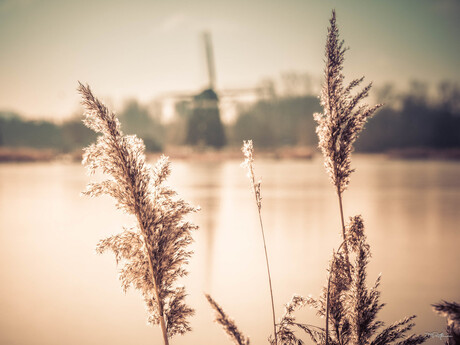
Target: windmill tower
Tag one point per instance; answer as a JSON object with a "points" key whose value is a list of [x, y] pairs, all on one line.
{"points": [[204, 125]]}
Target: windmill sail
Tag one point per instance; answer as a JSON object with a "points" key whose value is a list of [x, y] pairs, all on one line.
{"points": [[210, 59]]}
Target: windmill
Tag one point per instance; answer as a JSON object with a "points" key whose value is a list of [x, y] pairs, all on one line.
{"points": [[203, 119], [204, 125]]}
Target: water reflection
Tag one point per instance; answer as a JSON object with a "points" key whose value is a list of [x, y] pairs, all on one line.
{"points": [[54, 286], [207, 193]]}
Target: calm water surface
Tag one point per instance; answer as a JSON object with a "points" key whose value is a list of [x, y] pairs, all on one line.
{"points": [[55, 290]]}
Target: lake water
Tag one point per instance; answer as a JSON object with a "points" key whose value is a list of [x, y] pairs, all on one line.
{"points": [[55, 290]]}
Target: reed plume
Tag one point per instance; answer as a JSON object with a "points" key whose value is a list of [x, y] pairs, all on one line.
{"points": [[248, 152], [343, 116], [349, 306], [288, 324], [228, 324], [154, 253], [353, 305]]}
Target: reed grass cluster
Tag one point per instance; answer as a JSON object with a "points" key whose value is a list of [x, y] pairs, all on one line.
{"points": [[343, 117], [348, 305], [153, 253]]}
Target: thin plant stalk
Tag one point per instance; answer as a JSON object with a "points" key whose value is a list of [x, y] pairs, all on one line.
{"points": [[351, 305], [329, 279], [339, 195], [340, 123], [269, 276], [248, 152], [345, 247], [154, 253]]}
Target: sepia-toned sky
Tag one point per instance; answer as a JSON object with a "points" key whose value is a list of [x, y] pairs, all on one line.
{"points": [[143, 48]]}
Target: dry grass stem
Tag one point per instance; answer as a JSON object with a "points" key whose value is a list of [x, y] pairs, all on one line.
{"points": [[154, 253], [342, 120], [343, 117], [248, 152], [349, 306]]}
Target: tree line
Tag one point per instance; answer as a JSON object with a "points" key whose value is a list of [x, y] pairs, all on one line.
{"points": [[412, 119]]}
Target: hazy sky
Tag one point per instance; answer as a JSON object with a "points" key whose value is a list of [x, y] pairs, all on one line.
{"points": [[142, 48]]}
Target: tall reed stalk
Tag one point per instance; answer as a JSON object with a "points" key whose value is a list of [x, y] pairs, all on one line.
{"points": [[349, 306], [154, 252], [227, 324], [340, 123], [248, 151]]}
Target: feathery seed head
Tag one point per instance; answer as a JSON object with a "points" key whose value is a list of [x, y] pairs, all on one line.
{"points": [[248, 163], [343, 118], [354, 233], [349, 305], [227, 324], [154, 253]]}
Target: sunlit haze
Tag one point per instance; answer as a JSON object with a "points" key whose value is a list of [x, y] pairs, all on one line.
{"points": [[144, 49]]}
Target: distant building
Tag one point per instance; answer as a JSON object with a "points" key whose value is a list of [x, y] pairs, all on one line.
{"points": [[204, 125]]}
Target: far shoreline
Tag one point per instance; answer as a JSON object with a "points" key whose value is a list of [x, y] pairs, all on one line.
{"points": [[29, 155]]}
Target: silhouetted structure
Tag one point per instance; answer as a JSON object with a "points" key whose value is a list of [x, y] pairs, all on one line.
{"points": [[204, 126]]}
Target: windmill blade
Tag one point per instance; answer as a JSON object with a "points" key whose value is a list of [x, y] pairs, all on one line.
{"points": [[209, 59], [177, 95], [240, 92]]}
